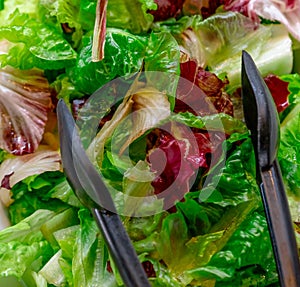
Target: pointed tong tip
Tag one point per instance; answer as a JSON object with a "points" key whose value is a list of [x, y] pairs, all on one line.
{"points": [[260, 112]]}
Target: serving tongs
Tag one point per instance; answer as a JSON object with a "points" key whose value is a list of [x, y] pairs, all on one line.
{"points": [[262, 120], [92, 192]]}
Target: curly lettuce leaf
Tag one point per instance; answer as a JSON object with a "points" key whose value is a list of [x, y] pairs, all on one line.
{"points": [[246, 258], [66, 14], [24, 243], [288, 154], [34, 193], [35, 44], [9, 7], [234, 182], [130, 15], [293, 87], [65, 89], [183, 253]]}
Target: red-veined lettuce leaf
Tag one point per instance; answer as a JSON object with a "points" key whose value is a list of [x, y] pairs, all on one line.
{"points": [[167, 9], [279, 91], [24, 104], [203, 93], [286, 12], [216, 43]]}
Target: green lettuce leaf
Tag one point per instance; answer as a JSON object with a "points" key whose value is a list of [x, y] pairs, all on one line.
{"points": [[289, 148], [65, 89], [87, 14], [294, 87], [52, 272], [247, 258], [176, 26], [124, 54], [3, 154], [90, 255], [130, 15], [33, 193], [233, 182], [215, 122], [183, 253], [66, 239], [24, 243], [66, 13], [163, 56], [35, 44], [8, 7], [288, 154]]}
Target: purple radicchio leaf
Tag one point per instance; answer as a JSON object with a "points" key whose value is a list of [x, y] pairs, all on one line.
{"points": [[24, 105]]}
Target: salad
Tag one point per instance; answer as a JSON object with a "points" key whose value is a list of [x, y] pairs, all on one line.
{"points": [[154, 86]]}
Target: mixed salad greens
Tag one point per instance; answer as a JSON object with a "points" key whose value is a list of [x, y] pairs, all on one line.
{"points": [[168, 111]]}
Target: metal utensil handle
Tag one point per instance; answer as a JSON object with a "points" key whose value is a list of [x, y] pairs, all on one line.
{"points": [[122, 252], [280, 225]]}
